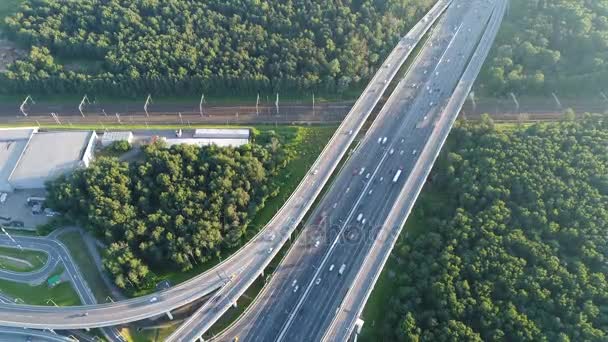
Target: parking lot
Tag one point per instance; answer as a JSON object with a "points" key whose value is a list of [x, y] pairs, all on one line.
{"points": [[16, 209]]}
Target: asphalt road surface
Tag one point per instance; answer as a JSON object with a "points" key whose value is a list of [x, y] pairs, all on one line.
{"points": [[57, 253], [306, 291], [351, 308]]}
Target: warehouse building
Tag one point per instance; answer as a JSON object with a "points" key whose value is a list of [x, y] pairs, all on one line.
{"points": [[110, 137], [34, 157], [222, 137]]}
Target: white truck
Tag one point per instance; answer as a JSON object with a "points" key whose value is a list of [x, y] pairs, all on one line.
{"points": [[397, 175]]}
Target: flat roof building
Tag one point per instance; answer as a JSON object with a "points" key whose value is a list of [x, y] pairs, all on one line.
{"points": [[222, 137], [12, 145], [109, 137], [222, 133], [34, 157]]}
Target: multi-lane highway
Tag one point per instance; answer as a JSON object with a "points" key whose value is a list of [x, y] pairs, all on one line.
{"points": [[307, 289], [234, 288], [344, 322], [249, 261]]}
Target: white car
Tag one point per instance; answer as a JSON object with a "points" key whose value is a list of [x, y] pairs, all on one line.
{"points": [[269, 250], [294, 282], [391, 151], [295, 289], [318, 281], [414, 152], [370, 192], [317, 243], [315, 171], [153, 299], [331, 267]]}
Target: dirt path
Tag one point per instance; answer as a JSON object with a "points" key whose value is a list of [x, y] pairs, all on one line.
{"points": [[17, 261]]}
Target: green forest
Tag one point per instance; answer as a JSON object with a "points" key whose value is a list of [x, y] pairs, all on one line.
{"points": [[549, 46], [176, 206], [511, 240], [176, 47]]}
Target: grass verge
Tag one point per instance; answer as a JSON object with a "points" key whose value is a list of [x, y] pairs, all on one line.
{"points": [[30, 260], [62, 294], [80, 254]]}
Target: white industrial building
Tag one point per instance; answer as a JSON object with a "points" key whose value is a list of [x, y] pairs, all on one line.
{"points": [[29, 158], [222, 137], [109, 137]]}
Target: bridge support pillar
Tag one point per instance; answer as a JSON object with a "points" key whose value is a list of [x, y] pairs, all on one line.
{"points": [[169, 315]]}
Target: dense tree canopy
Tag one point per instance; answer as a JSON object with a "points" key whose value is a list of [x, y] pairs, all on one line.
{"points": [[551, 45], [171, 46], [177, 206], [518, 249]]}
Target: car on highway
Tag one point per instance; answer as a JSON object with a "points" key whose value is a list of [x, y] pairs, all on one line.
{"points": [[331, 267], [272, 236], [368, 175], [335, 205], [295, 289], [370, 192], [391, 151], [269, 250], [414, 152], [294, 282], [315, 171], [317, 243], [342, 268], [318, 281], [153, 299]]}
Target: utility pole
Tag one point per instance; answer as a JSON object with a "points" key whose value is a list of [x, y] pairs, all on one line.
{"points": [[257, 105], [81, 105], [276, 104], [180, 118], [557, 102], [56, 118], [313, 104], [200, 106], [472, 98], [148, 101], [22, 107], [516, 102]]}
